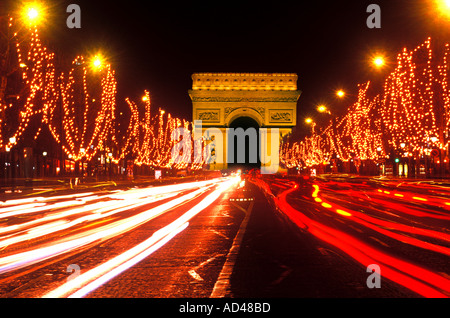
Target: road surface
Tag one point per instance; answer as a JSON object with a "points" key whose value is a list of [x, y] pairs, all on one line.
{"points": [[259, 236]]}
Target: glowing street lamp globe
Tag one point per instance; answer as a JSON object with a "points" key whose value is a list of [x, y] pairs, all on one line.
{"points": [[443, 7], [97, 62], [378, 61], [340, 93], [32, 13], [322, 108]]}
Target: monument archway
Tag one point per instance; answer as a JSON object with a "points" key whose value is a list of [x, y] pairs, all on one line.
{"points": [[221, 99]]}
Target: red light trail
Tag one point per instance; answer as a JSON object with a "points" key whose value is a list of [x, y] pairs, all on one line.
{"points": [[408, 274]]}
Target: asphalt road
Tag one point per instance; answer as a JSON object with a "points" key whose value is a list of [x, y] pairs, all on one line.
{"points": [[331, 229], [267, 237], [69, 246]]}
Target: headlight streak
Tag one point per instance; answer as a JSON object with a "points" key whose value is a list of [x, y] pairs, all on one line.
{"points": [[67, 244], [44, 199], [30, 210], [112, 268], [12, 210], [96, 211], [128, 200], [420, 280], [23, 259], [99, 275]]}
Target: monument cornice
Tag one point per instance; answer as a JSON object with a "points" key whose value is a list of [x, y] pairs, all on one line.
{"points": [[239, 96]]}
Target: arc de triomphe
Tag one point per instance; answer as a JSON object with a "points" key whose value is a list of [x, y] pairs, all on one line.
{"points": [[270, 99]]}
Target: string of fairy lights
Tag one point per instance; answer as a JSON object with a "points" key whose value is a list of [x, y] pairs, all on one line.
{"points": [[411, 116]]}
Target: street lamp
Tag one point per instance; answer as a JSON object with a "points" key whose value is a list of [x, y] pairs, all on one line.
{"points": [[378, 61], [44, 154], [340, 93], [443, 7], [32, 13], [97, 62], [309, 120], [323, 109]]}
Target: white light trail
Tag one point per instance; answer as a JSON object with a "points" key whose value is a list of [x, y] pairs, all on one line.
{"points": [[110, 269], [113, 267], [19, 260], [121, 201]]}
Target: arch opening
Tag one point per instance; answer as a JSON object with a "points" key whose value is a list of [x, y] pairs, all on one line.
{"points": [[243, 144]]}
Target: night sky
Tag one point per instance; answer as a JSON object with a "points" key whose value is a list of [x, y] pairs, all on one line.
{"points": [[157, 45]]}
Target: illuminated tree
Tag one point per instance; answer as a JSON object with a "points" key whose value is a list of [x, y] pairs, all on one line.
{"points": [[412, 115], [27, 86], [82, 114], [310, 151], [150, 138], [360, 133], [416, 99]]}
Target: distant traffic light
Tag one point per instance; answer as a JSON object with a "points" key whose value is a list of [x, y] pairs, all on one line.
{"points": [[397, 160]]}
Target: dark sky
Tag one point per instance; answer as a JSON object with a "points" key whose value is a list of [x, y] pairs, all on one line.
{"points": [[157, 45]]}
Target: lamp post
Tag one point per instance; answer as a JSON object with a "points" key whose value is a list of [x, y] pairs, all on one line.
{"points": [[44, 154], [82, 151], [324, 110], [110, 165]]}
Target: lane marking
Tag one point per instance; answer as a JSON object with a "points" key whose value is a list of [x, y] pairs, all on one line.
{"points": [[209, 260], [218, 233], [196, 276], [223, 281], [239, 207], [193, 272]]}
